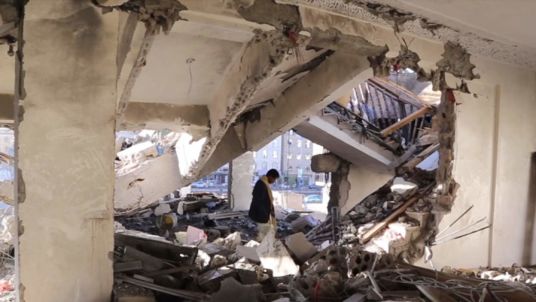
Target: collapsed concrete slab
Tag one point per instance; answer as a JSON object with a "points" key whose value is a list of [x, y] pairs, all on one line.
{"points": [[147, 183]]}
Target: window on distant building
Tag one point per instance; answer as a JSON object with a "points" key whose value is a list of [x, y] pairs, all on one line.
{"points": [[274, 154], [298, 157], [289, 156], [299, 143], [290, 141], [308, 157], [254, 153], [308, 143], [264, 153]]}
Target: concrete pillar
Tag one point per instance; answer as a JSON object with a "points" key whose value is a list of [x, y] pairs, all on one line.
{"points": [[242, 174], [66, 152]]}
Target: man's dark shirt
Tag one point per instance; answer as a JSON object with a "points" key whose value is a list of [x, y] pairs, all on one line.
{"points": [[261, 206]]}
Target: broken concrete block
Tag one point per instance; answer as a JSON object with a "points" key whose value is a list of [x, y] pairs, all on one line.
{"points": [[217, 261], [249, 253], [300, 246], [325, 163], [232, 241], [252, 243], [202, 260], [181, 237], [210, 280], [421, 217], [213, 249], [274, 255], [402, 186], [138, 153], [247, 273], [162, 209], [232, 290]]}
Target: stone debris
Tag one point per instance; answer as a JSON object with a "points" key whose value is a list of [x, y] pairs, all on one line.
{"points": [[274, 255], [300, 247], [195, 248], [215, 260]]}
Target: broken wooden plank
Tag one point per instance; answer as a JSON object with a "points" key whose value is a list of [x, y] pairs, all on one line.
{"points": [[381, 225], [149, 263], [157, 247], [120, 267], [403, 122], [410, 165], [186, 294], [170, 271], [402, 159]]}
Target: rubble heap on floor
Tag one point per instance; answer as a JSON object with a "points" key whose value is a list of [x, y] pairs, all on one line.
{"points": [[193, 248], [173, 215], [150, 268], [396, 219]]}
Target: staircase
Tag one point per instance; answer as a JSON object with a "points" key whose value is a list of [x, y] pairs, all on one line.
{"points": [[381, 122]]}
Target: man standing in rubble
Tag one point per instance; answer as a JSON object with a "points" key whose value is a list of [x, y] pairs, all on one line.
{"points": [[261, 209]]}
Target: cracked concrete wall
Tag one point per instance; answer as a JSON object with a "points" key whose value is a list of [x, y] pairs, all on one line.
{"points": [[402, 15], [66, 152]]}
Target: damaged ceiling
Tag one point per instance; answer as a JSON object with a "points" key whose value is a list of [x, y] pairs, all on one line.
{"points": [[481, 33]]}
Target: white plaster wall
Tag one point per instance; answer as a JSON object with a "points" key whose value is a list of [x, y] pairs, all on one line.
{"points": [[150, 181], [473, 171], [363, 181], [242, 175], [516, 142], [498, 124]]}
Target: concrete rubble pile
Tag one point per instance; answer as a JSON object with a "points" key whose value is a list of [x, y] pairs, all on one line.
{"points": [[173, 215], [151, 268], [514, 273], [194, 248], [396, 219]]}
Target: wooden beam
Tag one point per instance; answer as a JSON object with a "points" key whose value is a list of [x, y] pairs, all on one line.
{"points": [[408, 119], [380, 226], [410, 165]]}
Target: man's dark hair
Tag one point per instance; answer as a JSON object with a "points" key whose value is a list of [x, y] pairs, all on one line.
{"points": [[272, 173]]}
